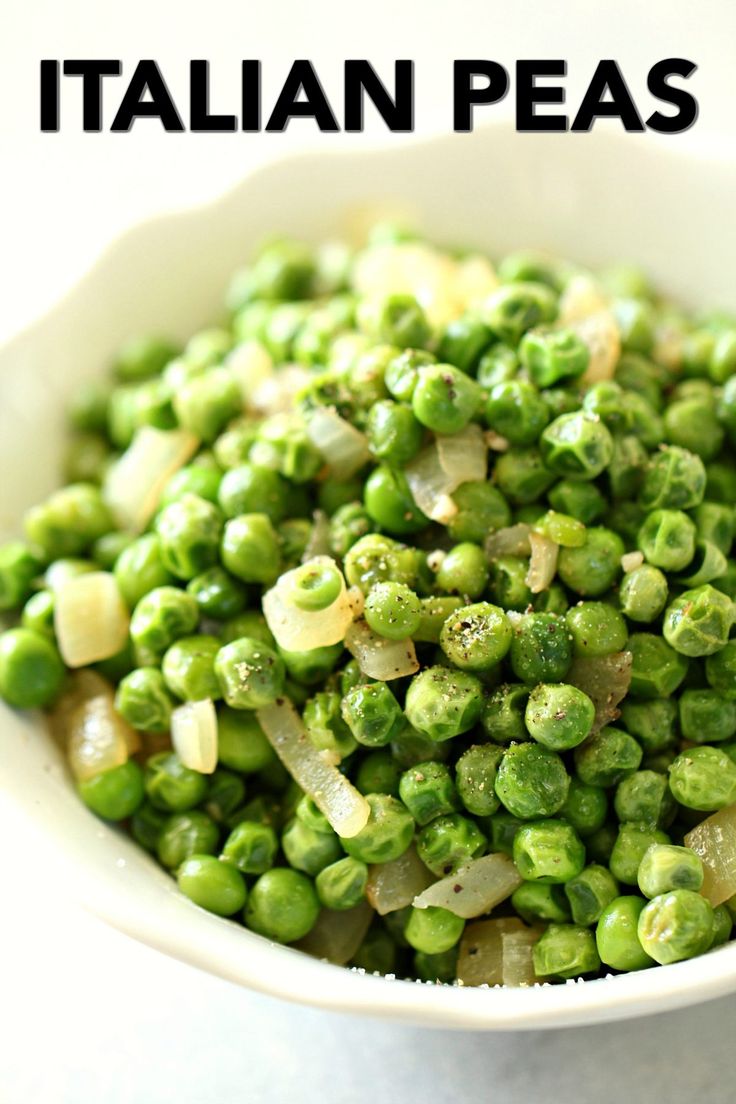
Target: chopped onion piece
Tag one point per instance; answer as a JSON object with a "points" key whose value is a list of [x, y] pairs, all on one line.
{"points": [[517, 961], [251, 364], [513, 540], [480, 956], [496, 442], [319, 539], [668, 342], [90, 619], [410, 268], [714, 841], [462, 455], [439, 469], [275, 394], [631, 560], [475, 280], [600, 333], [134, 484], [581, 298], [345, 808], [543, 562], [299, 630], [394, 885], [194, 735], [80, 687], [337, 935], [474, 889], [379, 658], [606, 681], [98, 738], [344, 447]]}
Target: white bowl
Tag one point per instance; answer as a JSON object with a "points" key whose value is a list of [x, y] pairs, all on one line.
{"points": [[597, 198]]}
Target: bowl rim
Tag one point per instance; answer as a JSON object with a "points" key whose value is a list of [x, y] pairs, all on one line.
{"points": [[290, 974]]}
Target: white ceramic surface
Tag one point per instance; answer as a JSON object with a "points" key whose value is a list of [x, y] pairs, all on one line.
{"points": [[597, 198]]}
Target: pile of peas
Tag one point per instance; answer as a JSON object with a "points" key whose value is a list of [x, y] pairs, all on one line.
{"points": [[489, 747]]}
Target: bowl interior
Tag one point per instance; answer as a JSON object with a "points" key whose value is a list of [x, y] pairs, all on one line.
{"points": [[597, 199]]}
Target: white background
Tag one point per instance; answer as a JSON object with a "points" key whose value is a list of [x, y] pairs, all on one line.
{"points": [[85, 1014]]}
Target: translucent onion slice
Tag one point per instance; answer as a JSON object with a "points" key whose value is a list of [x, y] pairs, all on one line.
{"points": [[90, 619], [600, 333], [714, 841], [80, 687], [251, 364], [606, 681], [631, 560], [543, 562], [344, 447], [513, 540], [345, 808], [438, 470], [480, 955], [475, 280], [582, 297], [475, 889], [299, 630], [275, 394], [394, 885], [194, 735], [379, 658], [411, 268], [337, 936], [98, 738], [517, 961], [134, 484]]}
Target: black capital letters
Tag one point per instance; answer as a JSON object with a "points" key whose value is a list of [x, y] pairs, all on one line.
{"points": [[49, 95], [466, 96], [92, 73], [147, 77], [686, 104], [529, 94], [199, 102], [302, 77], [397, 113], [607, 77]]}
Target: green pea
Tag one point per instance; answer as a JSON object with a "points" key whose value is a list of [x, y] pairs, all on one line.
{"points": [[373, 714], [703, 778], [580, 500], [142, 357], [170, 785], [643, 593], [211, 884], [392, 610], [38, 613], [377, 559], [249, 673], [107, 549], [189, 667], [531, 781], [387, 834], [189, 532], [394, 434], [378, 773], [437, 968], [589, 893], [186, 834], [585, 808], [463, 342], [699, 621], [632, 842], [522, 475], [559, 716], [87, 410], [498, 364], [225, 794], [667, 539], [503, 828], [475, 778], [397, 319], [251, 847], [402, 372], [514, 308], [616, 935], [325, 725], [644, 796], [477, 637], [651, 722], [428, 791], [692, 424], [675, 479], [508, 583], [665, 867], [534, 901], [143, 700], [250, 549], [597, 629], [606, 757], [69, 521], [676, 925], [309, 850], [442, 703], [217, 594], [577, 446], [657, 669], [341, 885], [481, 508], [516, 411], [549, 851], [114, 794], [31, 670], [146, 825], [433, 612], [541, 649], [503, 714], [720, 670], [18, 568], [444, 398], [433, 930], [347, 525], [706, 717], [161, 617], [449, 842], [594, 567]]}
